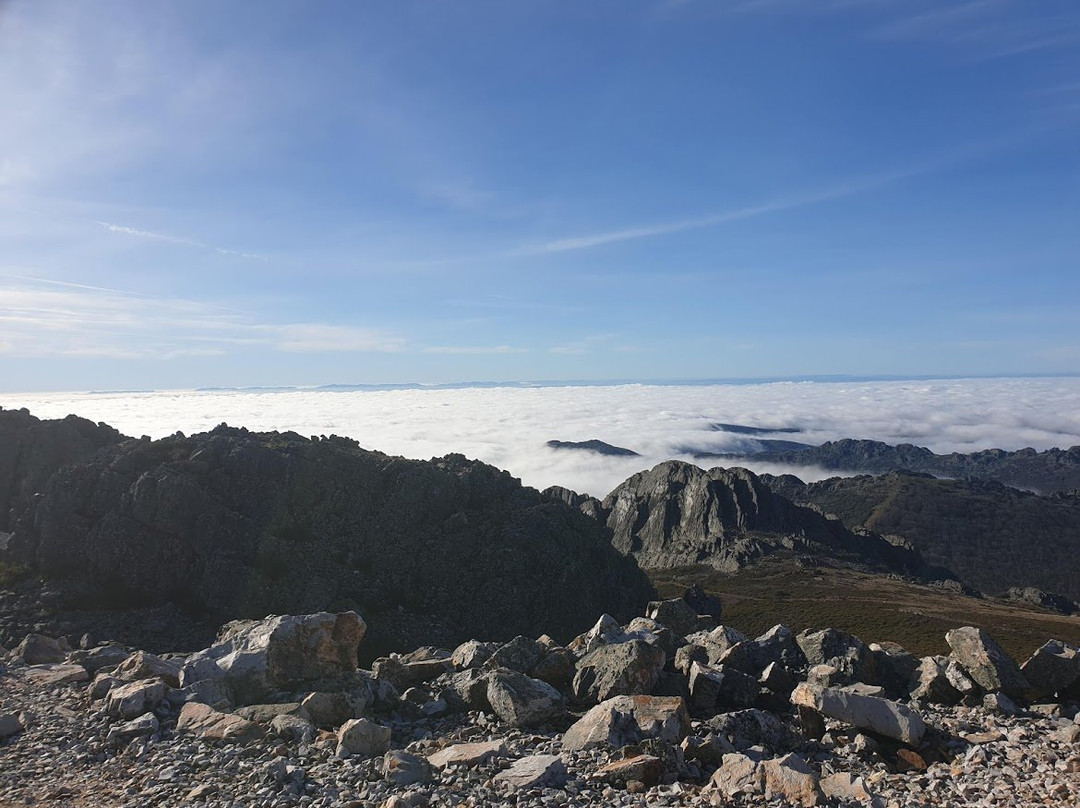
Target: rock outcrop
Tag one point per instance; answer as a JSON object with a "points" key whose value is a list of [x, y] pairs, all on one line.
{"points": [[677, 514], [235, 524]]}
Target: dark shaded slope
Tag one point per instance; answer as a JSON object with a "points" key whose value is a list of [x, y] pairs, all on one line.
{"points": [[233, 524], [32, 450], [992, 536]]}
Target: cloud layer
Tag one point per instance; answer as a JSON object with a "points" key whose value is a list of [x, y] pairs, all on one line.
{"points": [[508, 427]]}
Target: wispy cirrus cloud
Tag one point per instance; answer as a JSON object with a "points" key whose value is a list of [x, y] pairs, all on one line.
{"points": [[41, 317], [152, 235], [472, 349]]}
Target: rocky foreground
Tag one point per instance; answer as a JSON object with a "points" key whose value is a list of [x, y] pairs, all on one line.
{"points": [[671, 709]]}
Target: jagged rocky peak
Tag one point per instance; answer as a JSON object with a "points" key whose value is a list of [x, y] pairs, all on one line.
{"points": [[677, 514]]}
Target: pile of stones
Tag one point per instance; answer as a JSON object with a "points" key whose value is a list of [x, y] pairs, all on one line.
{"points": [[670, 709]]}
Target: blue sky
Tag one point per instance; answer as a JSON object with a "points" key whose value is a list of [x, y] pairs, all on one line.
{"points": [[268, 193]]}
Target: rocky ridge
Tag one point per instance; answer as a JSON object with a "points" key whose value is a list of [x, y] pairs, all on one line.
{"points": [[677, 515], [277, 712], [233, 524]]}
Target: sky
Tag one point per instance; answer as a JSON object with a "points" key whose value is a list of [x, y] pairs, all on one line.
{"points": [[510, 426], [201, 193]]}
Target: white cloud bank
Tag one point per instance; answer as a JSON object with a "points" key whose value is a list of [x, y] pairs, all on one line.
{"points": [[508, 427]]}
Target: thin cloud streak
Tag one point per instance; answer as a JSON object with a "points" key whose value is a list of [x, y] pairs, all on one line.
{"points": [[151, 235]]}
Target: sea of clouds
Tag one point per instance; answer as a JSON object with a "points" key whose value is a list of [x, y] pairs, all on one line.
{"points": [[509, 426]]}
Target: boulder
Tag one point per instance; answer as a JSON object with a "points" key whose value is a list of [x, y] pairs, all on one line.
{"points": [[135, 698], [211, 725], [653, 633], [845, 787], [703, 603], [605, 631], [362, 737], [624, 669], [718, 641], [467, 754], [142, 665], [884, 717], [53, 673], [37, 649], [932, 685], [105, 657], [292, 728], [646, 769], [986, 662], [522, 701], [331, 710], [719, 690], [791, 779], [469, 687], [687, 655], [520, 654], [557, 668], [9, 725], [287, 653], [894, 668], [745, 729], [535, 771], [472, 654], [145, 726], [625, 720], [404, 673], [677, 615], [738, 776], [775, 645], [401, 768], [1053, 668], [845, 652]]}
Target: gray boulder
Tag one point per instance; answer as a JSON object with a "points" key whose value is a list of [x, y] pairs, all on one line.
{"points": [[520, 654], [720, 690], [287, 653], [402, 768], [135, 698], [522, 701], [37, 649], [472, 654], [625, 720], [888, 718], [624, 669], [1053, 668], [677, 615], [931, 684], [986, 662], [363, 738], [745, 729], [845, 652]]}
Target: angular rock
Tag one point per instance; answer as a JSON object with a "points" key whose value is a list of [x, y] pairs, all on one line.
{"points": [[790, 778], [292, 728], [9, 725], [362, 737], [144, 726], [331, 710], [738, 775], [291, 652], [718, 641], [522, 701], [623, 669], [557, 668], [703, 603], [472, 654], [625, 720], [37, 649], [52, 674], [535, 771], [653, 633], [266, 713], [142, 665], [520, 654], [748, 728], [605, 631], [403, 768], [932, 685], [134, 699], [466, 754], [1053, 668], [687, 655], [845, 652], [470, 688], [888, 718], [209, 724], [894, 668], [719, 690], [1001, 704], [845, 787], [100, 687], [986, 662], [677, 615], [103, 657], [645, 769]]}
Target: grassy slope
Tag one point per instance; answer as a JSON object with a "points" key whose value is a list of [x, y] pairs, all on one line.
{"points": [[872, 607]]}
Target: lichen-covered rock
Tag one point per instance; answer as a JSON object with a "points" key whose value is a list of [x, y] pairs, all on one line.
{"points": [[1052, 668], [362, 737], [522, 701], [843, 651], [291, 652], [888, 718], [986, 662], [622, 669], [625, 720], [135, 698]]}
